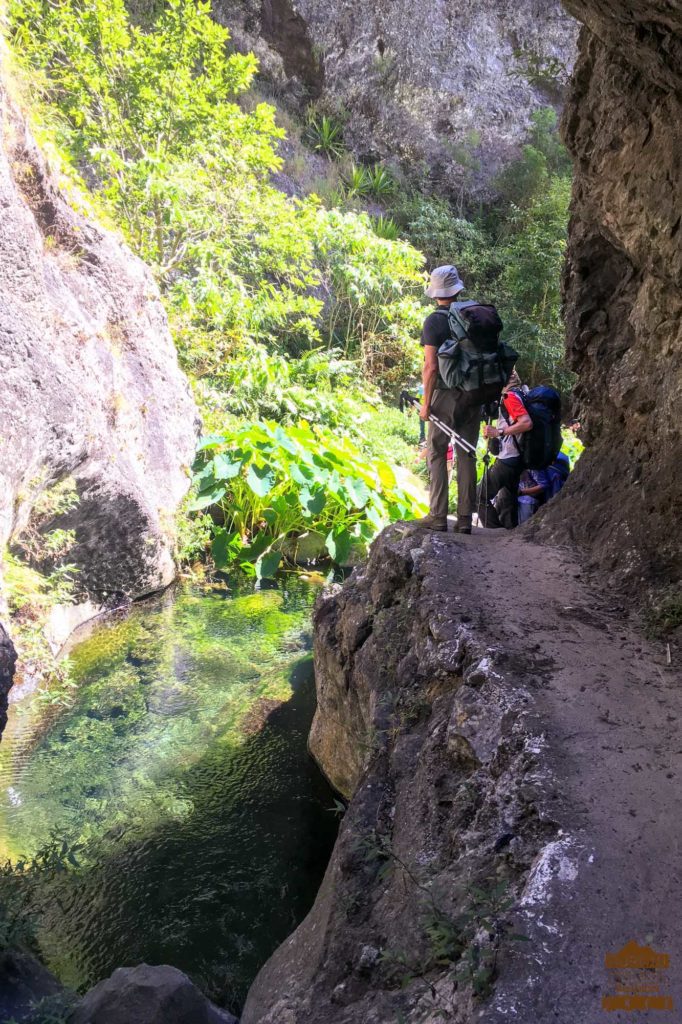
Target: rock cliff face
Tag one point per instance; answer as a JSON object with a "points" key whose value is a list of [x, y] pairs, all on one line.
{"points": [[428, 85], [7, 662], [623, 288], [431, 733], [90, 387], [486, 711]]}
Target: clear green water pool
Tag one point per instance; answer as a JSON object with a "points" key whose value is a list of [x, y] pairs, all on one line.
{"points": [[178, 771]]}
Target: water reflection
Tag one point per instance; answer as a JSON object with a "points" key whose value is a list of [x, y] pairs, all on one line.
{"points": [[182, 769]]}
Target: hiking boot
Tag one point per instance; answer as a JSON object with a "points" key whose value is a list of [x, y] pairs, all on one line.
{"points": [[463, 525], [437, 523]]}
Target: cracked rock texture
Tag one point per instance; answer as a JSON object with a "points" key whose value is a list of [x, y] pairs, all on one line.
{"points": [[623, 288], [432, 736], [7, 662], [427, 85], [495, 722], [90, 386]]}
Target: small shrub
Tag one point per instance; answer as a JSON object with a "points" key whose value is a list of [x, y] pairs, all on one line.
{"points": [[386, 227], [380, 182], [325, 135], [357, 181]]}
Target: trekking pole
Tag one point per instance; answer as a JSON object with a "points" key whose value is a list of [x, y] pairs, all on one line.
{"points": [[455, 438]]}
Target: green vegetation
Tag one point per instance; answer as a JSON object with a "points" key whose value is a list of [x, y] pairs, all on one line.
{"points": [[302, 310], [258, 285], [37, 576], [325, 135], [665, 617], [512, 252], [297, 480]]}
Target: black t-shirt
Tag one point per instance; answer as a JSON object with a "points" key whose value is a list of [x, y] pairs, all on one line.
{"points": [[436, 330]]}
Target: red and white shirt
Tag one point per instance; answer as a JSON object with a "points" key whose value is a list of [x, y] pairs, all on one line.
{"points": [[514, 408]]}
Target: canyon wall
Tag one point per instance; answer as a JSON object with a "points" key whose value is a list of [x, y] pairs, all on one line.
{"points": [[426, 723], [444, 91], [90, 388], [623, 290]]}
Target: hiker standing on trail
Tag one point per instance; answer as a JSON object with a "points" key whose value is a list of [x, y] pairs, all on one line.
{"points": [[506, 471], [451, 407]]}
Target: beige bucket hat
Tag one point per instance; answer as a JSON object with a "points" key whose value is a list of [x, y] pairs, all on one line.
{"points": [[445, 283]]}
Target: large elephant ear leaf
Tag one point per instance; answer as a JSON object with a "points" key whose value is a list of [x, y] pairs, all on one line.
{"points": [[224, 548], [338, 544], [312, 501], [268, 564], [358, 492], [207, 498], [260, 479], [226, 467]]}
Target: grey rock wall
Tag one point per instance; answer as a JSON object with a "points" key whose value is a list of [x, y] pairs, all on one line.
{"points": [[431, 734], [623, 290], [7, 662], [90, 386], [426, 85]]}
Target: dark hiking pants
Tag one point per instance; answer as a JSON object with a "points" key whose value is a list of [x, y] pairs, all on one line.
{"points": [[503, 475], [447, 406]]}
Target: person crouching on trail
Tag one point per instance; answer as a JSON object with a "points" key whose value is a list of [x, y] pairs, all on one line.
{"points": [[506, 471], [451, 407]]}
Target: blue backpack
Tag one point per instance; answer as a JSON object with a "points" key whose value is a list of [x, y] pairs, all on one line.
{"points": [[557, 474], [540, 446]]}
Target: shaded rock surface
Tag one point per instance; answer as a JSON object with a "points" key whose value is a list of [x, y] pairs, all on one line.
{"points": [[428, 85], [23, 983], [8, 660], [623, 289], [148, 995], [90, 386], [495, 722]]}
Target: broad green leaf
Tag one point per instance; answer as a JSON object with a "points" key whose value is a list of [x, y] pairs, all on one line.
{"points": [[268, 564], [210, 441], [204, 500], [226, 467], [258, 545], [386, 475], [338, 544], [303, 475], [260, 479], [225, 547], [375, 517], [312, 501], [288, 443], [358, 491]]}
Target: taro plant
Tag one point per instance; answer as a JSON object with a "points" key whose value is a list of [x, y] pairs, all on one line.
{"points": [[272, 483]]}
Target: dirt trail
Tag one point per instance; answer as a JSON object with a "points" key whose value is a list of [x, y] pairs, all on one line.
{"points": [[610, 710]]}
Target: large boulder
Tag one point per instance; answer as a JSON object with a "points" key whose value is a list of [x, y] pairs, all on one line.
{"points": [[623, 294], [148, 995], [90, 387]]}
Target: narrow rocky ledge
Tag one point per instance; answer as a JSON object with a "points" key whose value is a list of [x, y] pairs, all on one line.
{"points": [[458, 680]]}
